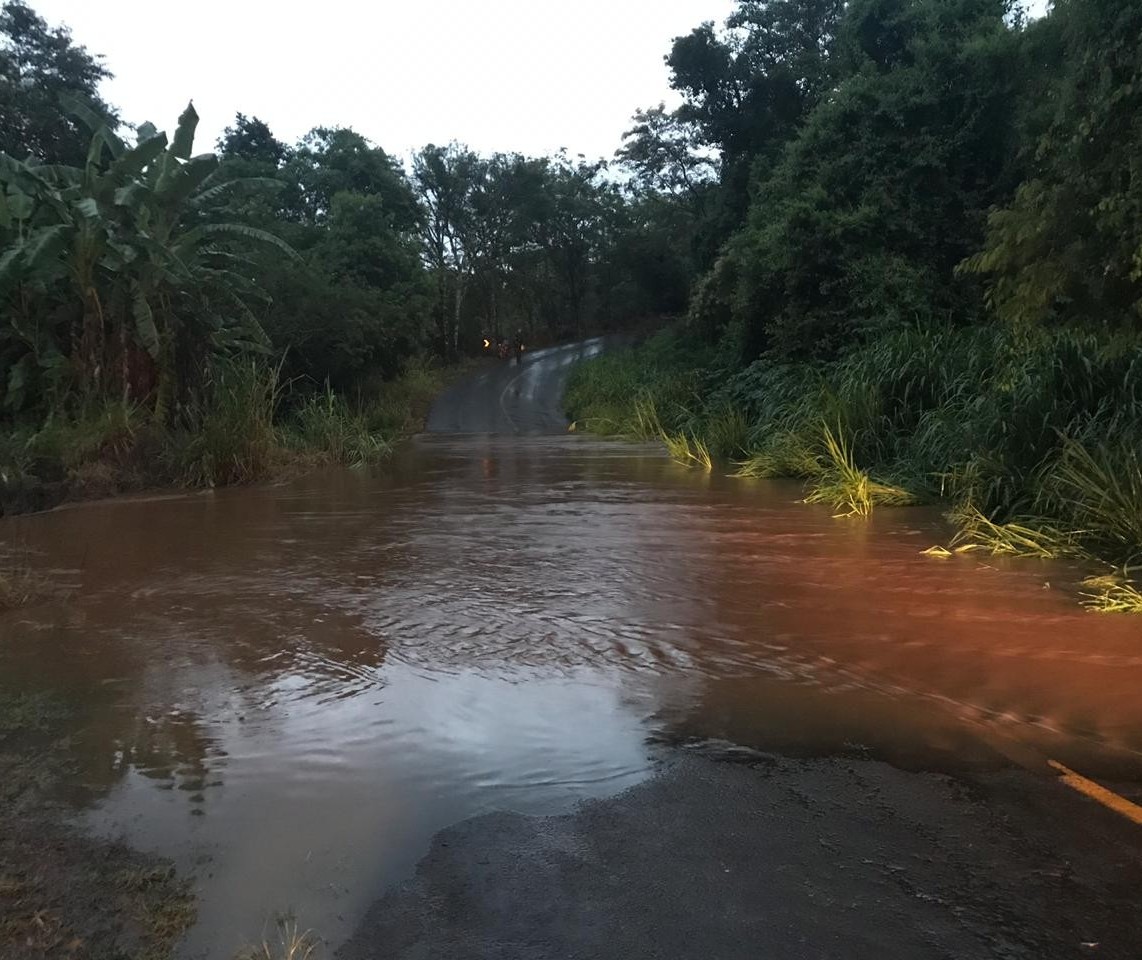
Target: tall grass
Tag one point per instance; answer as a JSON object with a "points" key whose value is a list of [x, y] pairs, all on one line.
{"points": [[362, 431], [845, 486], [1034, 437], [245, 425], [325, 425], [397, 408], [640, 392], [1098, 490], [726, 432], [98, 429], [235, 439]]}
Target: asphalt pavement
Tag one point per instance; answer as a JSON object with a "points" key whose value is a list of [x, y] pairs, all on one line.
{"points": [[512, 397]]}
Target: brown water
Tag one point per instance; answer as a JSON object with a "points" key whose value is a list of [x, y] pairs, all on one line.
{"points": [[289, 689]]}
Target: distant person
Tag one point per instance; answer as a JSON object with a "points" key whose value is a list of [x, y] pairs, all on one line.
{"points": [[519, 347]]}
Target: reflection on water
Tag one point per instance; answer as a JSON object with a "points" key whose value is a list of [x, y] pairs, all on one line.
{"points": [[290, 689]]}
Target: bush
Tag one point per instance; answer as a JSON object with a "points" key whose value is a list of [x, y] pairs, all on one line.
{"points": [[1033, 437], [233, 439], [324, 425]]}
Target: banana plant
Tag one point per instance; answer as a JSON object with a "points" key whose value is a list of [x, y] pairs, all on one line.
{"points": [[124, 252]]}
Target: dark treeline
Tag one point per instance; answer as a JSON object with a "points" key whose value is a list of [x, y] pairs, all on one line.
{"points": [[165, 306], [919, 269]]}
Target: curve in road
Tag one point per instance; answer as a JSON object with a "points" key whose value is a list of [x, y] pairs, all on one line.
{"points": [[513, 398]]}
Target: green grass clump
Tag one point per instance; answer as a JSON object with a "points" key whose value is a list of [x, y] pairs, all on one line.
{"points": [[689, 451], [845, 486], [1112, 594], [726, 431], [785, 453], [977, 532], [235, 439], [325, 425]]}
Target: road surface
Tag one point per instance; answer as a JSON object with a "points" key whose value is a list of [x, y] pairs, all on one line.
{"points": [[512, 398]]}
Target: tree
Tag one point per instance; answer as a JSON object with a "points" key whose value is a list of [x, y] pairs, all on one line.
{"points": [[38, 67], [1068, 248], [251, 140], [361, 245], [444, 179], [747, 90], [885, 188], [573, 226], [110, 276], [662, 151], [336, 160]]}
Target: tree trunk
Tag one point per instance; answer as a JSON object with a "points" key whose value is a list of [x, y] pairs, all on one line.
{"points": [[91, 340], [456, 316]]}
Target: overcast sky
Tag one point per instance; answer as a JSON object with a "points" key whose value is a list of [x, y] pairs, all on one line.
{"points": [[523, 75]]}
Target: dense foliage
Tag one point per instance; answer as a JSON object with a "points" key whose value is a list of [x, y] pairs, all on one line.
{"points": [[152, 296], [930, 269]]}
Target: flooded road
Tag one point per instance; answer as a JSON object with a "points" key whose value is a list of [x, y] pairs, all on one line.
{"points": [[290, 689]]}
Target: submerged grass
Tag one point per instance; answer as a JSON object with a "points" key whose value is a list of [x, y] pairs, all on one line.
{"points": [[64, 893], [688, 450], [845, 486], [1111, 594], [290, 943], [977, 532], [21, 586]]}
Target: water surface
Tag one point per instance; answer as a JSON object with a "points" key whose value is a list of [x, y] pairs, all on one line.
{"points": [[290, 688]]}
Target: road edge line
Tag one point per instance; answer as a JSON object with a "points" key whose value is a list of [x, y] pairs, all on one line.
{"points": [[1098, 793]]}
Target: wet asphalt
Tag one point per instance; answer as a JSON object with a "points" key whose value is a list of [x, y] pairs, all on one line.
{"points": [[513, 397], [778, 858]]}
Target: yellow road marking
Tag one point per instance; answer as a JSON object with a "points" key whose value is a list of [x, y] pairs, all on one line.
{"points": [[1107, 798]]}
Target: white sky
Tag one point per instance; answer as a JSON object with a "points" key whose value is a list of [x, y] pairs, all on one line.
{"points": [[526, 75]]}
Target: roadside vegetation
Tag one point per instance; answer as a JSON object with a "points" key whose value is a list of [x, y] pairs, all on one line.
{"points": [[927, 285], [174, 315], [288, 942]]}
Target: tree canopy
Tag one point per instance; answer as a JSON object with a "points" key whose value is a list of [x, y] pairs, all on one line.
{"points": [[38, 66]]}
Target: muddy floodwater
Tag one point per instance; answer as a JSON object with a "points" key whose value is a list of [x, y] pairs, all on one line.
{"points": [[289, 689]]}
